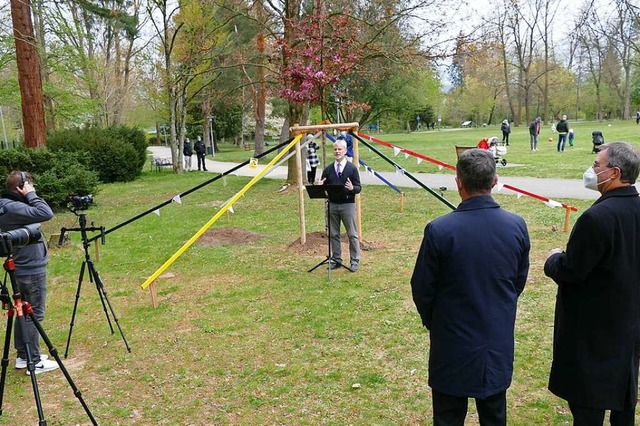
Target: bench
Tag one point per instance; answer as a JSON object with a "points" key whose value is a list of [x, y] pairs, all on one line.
{"points": [[159, 163]]}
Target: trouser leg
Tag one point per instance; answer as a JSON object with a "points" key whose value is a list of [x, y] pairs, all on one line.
{"points": [[34, 290], [349, 219], [334, 230], [585, 416], [448, 410], [492, 411]]}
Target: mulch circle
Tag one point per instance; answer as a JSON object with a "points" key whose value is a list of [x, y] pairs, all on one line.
{"points": [[316, 244], [228, 236]]}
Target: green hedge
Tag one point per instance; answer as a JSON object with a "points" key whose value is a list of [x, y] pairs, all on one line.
{"points": [[57, 174], [117, 154]]}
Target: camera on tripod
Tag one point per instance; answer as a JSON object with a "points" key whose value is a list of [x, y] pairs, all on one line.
{"points": [[80, 202], [16, 238]]}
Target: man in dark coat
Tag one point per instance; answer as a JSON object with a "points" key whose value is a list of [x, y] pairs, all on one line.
{"points": [[563, 130], [472, 266], [597, 319], [201, 152]]}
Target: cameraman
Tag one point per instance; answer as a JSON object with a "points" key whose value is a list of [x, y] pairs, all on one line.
{"points": [[20, 206]]}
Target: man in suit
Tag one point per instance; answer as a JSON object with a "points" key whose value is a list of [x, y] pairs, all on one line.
{"points": [[472, 266], [596, 337], [342, 205]]}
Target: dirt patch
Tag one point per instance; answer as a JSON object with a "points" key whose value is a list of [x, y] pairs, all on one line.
{"points": [[316, 244], [228, 236]]}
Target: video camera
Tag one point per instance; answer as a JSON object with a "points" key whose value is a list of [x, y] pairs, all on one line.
{"points": [[20, 237], [80, 202]]}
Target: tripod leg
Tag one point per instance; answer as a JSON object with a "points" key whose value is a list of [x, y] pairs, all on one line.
{"points": [[103, 296], [75, 307], [54, 352], [5, 354], [95, 278]]}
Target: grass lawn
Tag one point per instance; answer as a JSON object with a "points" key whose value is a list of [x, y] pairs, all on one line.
{"points": [[244, 335], [546, 162]]}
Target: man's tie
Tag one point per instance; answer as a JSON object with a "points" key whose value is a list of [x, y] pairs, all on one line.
{"points": [[338, 170]]}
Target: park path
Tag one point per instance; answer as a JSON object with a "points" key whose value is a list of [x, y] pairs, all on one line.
{"points": [[556, 189]]}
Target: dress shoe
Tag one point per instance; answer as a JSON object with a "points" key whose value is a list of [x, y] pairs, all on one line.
{"points": [[334, 265], [354, 267]]}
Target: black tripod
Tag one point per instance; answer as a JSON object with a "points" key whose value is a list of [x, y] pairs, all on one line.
{"points": [[94, 277], [21, 309], [323, 191]]}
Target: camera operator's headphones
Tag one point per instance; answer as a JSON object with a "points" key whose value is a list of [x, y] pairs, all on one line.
{"points": [[23, 180]]}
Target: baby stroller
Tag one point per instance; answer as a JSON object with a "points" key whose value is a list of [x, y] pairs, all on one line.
{"points": [[498, 149], [598, 140]]}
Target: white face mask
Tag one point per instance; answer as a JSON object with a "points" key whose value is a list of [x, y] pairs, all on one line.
{"points": [[590, 178]]}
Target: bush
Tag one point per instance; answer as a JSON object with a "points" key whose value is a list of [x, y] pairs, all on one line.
{"points": [[117, 154], [57, 174]]}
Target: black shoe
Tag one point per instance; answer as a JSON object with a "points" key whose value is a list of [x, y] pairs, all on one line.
{"points": [[206, 170], [334, 265], [354, 267]]}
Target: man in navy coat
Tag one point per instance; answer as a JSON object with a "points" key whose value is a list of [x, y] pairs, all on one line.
{"points": [[472, 266], [596, 337]]}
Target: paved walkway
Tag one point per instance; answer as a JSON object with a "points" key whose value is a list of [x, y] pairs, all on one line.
{"points": [[556, 189]]}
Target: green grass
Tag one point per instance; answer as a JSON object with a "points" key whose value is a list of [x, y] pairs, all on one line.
{"points": [[244, 335]]}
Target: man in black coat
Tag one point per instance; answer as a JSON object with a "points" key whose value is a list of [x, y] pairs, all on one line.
{"points": [[201, 152], [342, 205], [596, 345], [472, 266]]}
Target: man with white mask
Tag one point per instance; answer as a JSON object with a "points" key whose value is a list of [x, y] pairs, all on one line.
{"points": [[596, 347]]}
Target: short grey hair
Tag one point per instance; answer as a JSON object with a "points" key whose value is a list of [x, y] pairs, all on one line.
{"points": [[476, 170], [341, 142], [624, 156]]}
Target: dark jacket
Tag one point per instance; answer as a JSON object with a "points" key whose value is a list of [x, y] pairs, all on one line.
{"points": [[534, 128], [505, 128], [199, 148], [472, 266], [350, 172], [16, 212], [562, 127], [595, 337], [187, 150]]}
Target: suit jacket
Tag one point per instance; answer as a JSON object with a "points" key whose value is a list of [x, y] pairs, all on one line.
{"points": [[472, 266], [597, 318], [331, 178]]}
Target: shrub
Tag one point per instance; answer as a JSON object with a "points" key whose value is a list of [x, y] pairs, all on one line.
{"points": [[57, 174], [117, 154]]}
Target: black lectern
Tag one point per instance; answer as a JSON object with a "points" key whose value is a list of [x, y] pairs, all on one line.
{"points": [[324, 191]]}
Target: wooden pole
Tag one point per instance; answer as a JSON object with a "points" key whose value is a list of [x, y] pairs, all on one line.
{"points": [[356, 158], [567, 219], [402, 202], [310, 129], [303, 230]]}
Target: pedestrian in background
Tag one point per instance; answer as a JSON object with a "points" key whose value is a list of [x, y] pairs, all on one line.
{"points": [[534, 132], [201, 152], [187, 151], [563, 129], [312, 159], [472, 267], [506, 129]]}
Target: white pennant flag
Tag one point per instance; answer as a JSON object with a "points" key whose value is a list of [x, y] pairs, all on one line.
{"points": [[399, 171], [518, 195], [157, 211], [440, 167], [553, 203], [420, 160], [499, 186], [177, 199], [406, 155], [231, 209], [396, 150]]}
